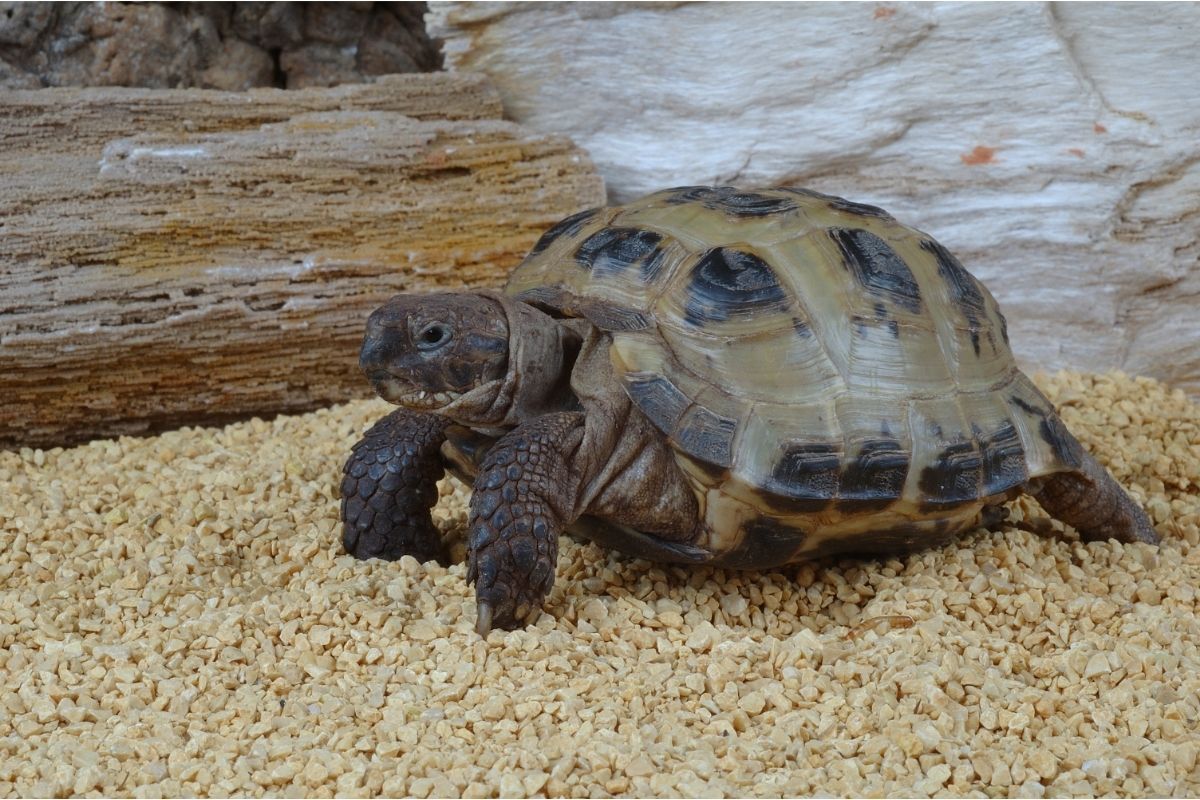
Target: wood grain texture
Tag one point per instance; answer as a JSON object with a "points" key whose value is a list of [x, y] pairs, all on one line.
{"points": [[1053, 147], [172, 257]]}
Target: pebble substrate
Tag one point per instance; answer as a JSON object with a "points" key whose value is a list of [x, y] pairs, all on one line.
{"points": [[178, 618]]}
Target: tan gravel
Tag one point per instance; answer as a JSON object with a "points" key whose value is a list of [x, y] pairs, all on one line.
{"points": [[177, 618]]}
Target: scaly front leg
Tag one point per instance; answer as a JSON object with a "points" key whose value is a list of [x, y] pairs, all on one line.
{"points": [[389, 484], [523, 499]]}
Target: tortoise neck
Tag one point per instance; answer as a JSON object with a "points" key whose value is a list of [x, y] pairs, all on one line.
{"points": [[541, 354]]}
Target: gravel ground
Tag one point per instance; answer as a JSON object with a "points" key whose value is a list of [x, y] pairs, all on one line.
{"points": [[177, 618]]}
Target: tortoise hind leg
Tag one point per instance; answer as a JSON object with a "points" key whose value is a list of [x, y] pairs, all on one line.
{"points": [[1091, 501]]}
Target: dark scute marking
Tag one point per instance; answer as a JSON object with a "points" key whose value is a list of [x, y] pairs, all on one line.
{"points": [[566, 227], [730, 201], [881, 314], [1003, 459], [635, 543], [608, 316], [1054, 432], [875, 477], [727, 282], [1026, 407], [953, 478], [707, 436], [963, 289], [766, 543], [611, 251], [679, 195], [842, 204], [877, 267], [807, 471], [900, 540], [545, 298], [660, 400], [813, 193], [1068, 448], [802, 328], [859, 209], [863, 327]]}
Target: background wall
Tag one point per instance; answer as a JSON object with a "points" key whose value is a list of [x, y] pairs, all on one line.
{"points": [[1053, 147]]}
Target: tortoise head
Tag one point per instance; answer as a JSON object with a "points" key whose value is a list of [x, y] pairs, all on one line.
{"points": [[426, 352]]}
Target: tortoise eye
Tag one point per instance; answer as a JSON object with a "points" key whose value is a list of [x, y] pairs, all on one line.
{"points": [[433, 336]]}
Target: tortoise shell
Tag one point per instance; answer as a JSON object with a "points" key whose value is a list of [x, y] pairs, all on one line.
{"points": [[814, 363]]}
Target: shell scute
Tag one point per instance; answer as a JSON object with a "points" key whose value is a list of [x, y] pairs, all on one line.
{"points": [[877, 267], [658, 398], [875, 475], [614, 250], [844, 205], [807, 471], [728, 282], [706, 435], [731, 201], [1003, 459], [569, 226], [964, 292], [954, 477]]}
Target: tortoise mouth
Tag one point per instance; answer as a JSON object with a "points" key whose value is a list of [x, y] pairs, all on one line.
{"points": [[400, 392]]}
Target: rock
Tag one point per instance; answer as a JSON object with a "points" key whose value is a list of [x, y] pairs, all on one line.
{"points": [[22, 23], [215, 45], [240, 66], [319, 64], [157, 273], [335, 23], [388, 46], [270, 25], [1045, 144]]}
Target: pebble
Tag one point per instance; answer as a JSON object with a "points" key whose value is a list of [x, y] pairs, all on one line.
{"points": [[179, 619]]}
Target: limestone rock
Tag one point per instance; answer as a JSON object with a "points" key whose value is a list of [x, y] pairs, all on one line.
{"points": [[1049, 145], [212, 45], [180, 257], [239, 66]]}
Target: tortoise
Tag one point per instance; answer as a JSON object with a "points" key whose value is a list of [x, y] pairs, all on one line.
{"points": [[709, 375]]}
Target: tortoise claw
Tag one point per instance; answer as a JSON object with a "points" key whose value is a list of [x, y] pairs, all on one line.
{"points": [[483, 614]]}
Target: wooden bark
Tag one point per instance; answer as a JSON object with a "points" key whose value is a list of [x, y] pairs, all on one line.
{"points": [[172, 257], [1054, 146]]}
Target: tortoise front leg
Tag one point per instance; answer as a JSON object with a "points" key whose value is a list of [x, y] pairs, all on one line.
{"points": [[523, 499], [389, 485]]}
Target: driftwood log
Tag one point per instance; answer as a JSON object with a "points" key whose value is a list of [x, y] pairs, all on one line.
{"points": [[1055, 147], [172, 257]]}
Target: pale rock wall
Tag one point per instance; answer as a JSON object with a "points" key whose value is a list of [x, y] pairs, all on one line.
{"points": [[1053, 147]]}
